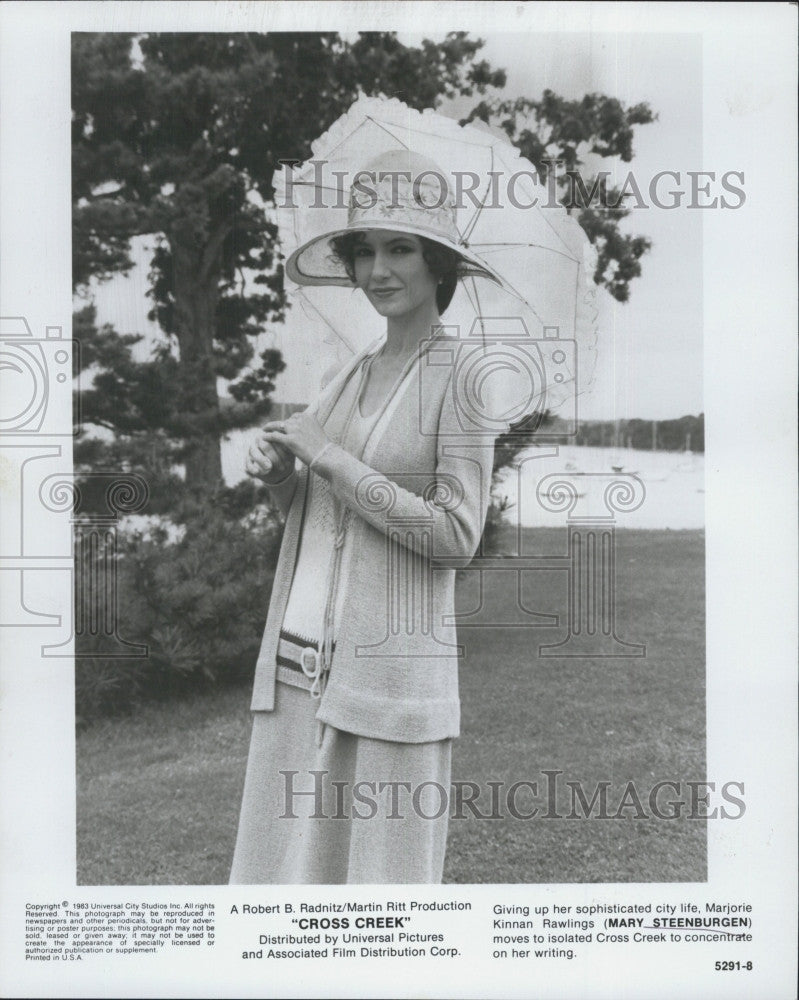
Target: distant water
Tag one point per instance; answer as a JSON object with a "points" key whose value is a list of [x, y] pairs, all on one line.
{"points": [[669, 484]]}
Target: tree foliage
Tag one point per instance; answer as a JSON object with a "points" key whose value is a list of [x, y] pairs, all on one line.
{"points": [[146, 428], [558, 136], [197, 603], [681, 433]]}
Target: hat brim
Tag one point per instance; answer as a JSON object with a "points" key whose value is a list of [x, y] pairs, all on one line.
{"points": [[315, 263]]}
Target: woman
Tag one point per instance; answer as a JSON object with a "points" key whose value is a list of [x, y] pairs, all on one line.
{"points": [[356, 699]]}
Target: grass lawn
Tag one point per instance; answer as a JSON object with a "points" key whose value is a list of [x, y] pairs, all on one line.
{"points": [[159, 792]]}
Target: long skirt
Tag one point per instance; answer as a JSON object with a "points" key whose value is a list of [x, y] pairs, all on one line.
{"points": [[351, 810]]}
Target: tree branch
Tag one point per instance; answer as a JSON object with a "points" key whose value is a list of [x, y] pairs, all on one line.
{"points": [[94, 422], [212, 248]]}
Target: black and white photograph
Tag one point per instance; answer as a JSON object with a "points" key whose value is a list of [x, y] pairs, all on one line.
{"points": [[382, 605], [465, 519]]}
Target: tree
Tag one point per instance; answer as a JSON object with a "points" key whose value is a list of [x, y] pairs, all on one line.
{"points": [[146, 429], [557, 135], [177, 136]]}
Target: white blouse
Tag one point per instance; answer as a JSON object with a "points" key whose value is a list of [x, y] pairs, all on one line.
{"points": [[305, 611]]}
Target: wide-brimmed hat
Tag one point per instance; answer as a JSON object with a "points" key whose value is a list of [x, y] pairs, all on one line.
{"points": [[400, 191]]}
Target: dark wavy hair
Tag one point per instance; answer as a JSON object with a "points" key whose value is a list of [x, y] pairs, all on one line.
{"points": [[445, 265]]}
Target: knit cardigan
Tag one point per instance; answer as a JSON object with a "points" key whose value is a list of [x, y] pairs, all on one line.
{"points": [[418, 498]]}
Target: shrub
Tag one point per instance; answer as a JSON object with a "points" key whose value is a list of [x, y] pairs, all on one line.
{"points": [[198, 602]]}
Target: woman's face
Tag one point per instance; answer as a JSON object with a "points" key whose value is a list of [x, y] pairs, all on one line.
{"points": [[392, 272]]}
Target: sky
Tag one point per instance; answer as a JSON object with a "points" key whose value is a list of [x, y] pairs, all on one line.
{"points": [[650, 352], [650, 349]]}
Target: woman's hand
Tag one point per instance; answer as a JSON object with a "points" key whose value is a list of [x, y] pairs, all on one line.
{"points": [[269, 462], [301, 434]]}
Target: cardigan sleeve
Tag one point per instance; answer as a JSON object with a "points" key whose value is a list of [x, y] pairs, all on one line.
{"points": [[283, 492], [441, 514]]}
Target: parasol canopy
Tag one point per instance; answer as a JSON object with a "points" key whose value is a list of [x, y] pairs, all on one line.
{"points": [[534, 328]]}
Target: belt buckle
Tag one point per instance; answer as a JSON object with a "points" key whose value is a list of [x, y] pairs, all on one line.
{"points": [[312, 672]]}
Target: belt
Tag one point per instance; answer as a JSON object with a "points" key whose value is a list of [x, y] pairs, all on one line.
{"points": [[304, 656]]}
